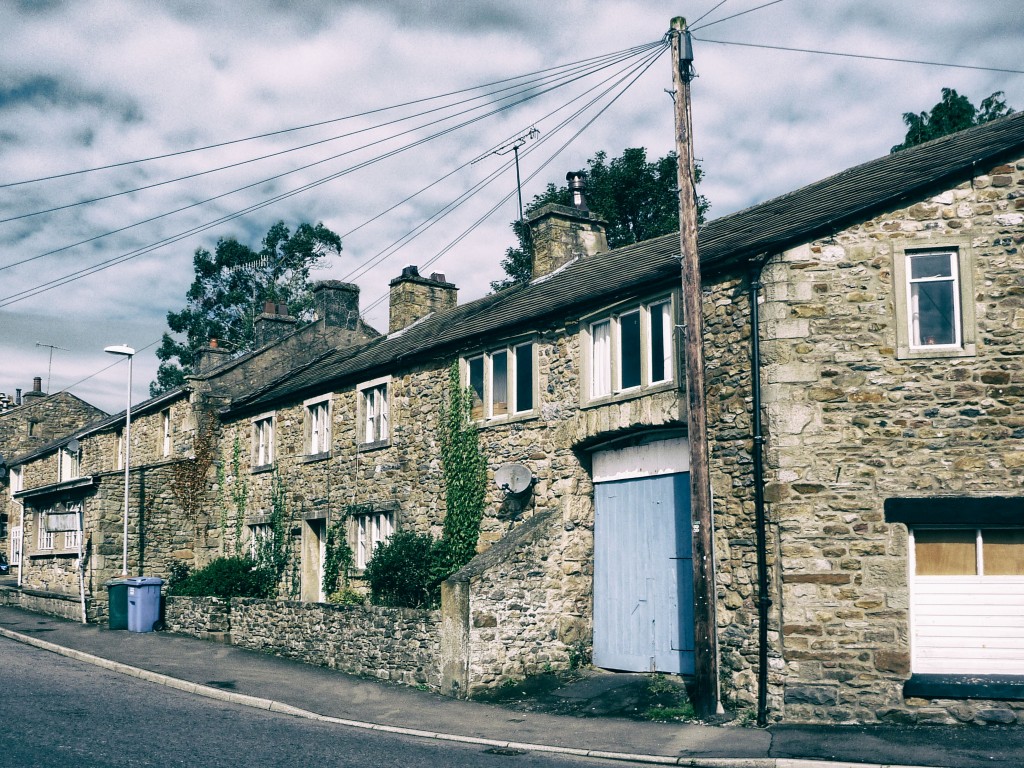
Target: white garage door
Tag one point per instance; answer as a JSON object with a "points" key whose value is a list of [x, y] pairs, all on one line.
{"points": [[967, 601]]}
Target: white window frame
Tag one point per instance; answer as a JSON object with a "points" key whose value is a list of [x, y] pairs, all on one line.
{"points": [[17, 480], [514, 401], [69, 464], [913, 304], [165, 428], [16, 545], [372, 529], [264, 433], [44, 538], [375, 411], [259, 532], [908, 342], [73, 539], [603, 346], [317, 419]]}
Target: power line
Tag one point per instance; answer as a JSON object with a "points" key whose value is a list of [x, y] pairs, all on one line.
{"points": [[310, 125], [863, 56], [639, 71], [698, 21], [106, 264], [606, 61], [741, 13], [529, 89]]}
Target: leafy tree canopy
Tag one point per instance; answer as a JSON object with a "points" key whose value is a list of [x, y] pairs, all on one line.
{"points": [[230, 288], [953, 113], [637, 198]]}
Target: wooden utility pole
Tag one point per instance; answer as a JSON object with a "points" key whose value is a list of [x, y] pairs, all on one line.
{"points": [[705, 635]]}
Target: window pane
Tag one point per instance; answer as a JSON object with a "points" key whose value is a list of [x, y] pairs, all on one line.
{"points": [[661, 335], [1003, 552], [946, 553], [476, 383], [629, 349], [931, 265], [934, 313], [499, 383], [383, 430], [600, 359], [524, 377]]}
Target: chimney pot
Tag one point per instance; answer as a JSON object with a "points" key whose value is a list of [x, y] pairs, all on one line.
{"points": [[213, 343], [578, 188], [269, 308], [438, 277], [411, 271], [37, 384], [17, 396], [282, 309]]}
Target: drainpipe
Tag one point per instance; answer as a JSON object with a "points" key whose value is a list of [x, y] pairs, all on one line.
{"points": [[21, 543], [763, 600], [81, 561]]}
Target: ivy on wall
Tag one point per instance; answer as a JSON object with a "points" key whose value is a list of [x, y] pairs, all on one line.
{"points": [[338, 555], [189, 479], [465, 476], [272, 551], [239, 492]]}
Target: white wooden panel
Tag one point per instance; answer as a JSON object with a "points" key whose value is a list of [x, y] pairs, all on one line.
{"points": [[661, 457], [968, 625]]}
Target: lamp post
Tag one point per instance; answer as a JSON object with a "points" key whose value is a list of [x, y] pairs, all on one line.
{"points": [[125, 351]]}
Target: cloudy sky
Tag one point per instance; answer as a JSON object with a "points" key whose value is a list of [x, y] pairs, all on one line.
{"points": [[92, 83]]}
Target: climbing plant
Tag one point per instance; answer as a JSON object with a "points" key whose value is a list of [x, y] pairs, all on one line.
{"points": [[465, 476], [337, 555], [239, 492], [272, 551]]}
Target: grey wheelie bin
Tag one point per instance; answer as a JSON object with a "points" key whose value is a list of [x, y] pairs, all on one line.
{"points": [[143, 603]]}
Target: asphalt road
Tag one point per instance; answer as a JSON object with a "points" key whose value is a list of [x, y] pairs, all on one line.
{"points": [[58, 712]]}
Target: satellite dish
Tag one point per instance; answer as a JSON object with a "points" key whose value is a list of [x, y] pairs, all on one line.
{"points": [[513, 478], [73, 445]]}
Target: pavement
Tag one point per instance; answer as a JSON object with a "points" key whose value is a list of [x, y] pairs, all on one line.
{"points": [[280, 685]]}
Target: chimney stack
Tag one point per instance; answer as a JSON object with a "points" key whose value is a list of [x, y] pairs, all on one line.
{"points": [[274, 323], [210, 357], [17, 396], [37, 388], [413, 297], [337, 303], [562, 233]]}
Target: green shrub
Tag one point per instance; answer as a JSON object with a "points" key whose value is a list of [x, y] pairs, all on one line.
{"points": [[178, 573], [228, 577], [405, 571], [347, 596]]}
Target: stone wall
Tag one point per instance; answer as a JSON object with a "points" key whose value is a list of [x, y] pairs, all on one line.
{"points": [[208, 618], [853, 422], [397, 644]]}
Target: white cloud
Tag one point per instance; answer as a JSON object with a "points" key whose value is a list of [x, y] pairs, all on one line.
{"points": [[90, 83]]}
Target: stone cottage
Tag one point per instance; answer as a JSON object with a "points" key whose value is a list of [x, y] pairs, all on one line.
{"points": [[865, 448], [26, 422], [862, 343]]}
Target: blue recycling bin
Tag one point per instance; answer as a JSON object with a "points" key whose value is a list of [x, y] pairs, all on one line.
{"points": [[143, 602]]}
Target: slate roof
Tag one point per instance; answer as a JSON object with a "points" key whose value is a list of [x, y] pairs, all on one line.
{"points": [[813, 211]]}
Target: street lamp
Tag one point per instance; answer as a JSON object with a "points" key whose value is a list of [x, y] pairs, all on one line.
{"points": [[125, 351]]}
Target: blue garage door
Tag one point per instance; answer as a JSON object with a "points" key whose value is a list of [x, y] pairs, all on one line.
{"points": [[643, 575]]}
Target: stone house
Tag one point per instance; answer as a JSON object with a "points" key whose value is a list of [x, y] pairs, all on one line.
{"points": [[866, 476], [26, 422], [70, 491]]}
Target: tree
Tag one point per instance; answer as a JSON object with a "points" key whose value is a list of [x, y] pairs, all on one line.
{"points": [[636, 197], [230, 288], [953, 113]]}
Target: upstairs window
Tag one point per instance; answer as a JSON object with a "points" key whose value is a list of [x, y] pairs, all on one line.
{"points": [[17, 480], [318, 426], [263, 441], [69, 464], [165, 431], [376, 411], [632, 350], [934, 299], [502, 381], [935, 303]]}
